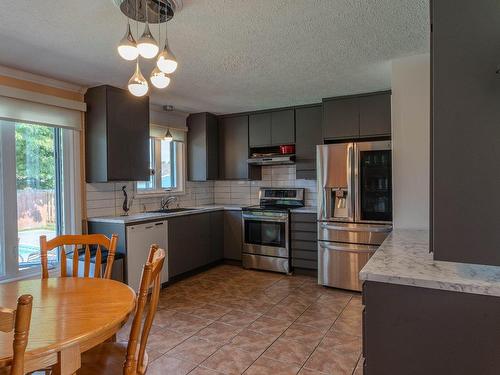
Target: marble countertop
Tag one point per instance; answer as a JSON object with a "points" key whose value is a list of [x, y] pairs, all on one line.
{"points": [[151, 216], [404, 259]]}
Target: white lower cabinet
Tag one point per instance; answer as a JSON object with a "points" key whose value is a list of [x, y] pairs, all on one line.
{"points": [[139, 239]]}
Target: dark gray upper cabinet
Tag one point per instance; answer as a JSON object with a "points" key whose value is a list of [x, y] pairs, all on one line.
{"points": [[282, 127], [116, 135], [233, 150], [375, 115], [272, 128], [341, 118], [203, 147], [366, 115], [259, 129], [308, 132], [465, 131]]}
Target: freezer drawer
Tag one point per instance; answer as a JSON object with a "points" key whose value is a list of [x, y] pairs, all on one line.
{"points": [[339, 264], [371, 234]]}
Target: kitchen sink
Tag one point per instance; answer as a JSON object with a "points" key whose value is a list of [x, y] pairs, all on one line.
{"points": [[172, 210]]}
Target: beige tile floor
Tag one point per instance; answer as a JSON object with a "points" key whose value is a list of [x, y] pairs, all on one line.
{"points": [[228, 320]]}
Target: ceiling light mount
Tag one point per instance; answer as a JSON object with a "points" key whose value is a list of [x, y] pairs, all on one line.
{"points": [[156, 11]]}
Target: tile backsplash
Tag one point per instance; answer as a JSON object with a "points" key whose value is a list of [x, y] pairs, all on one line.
{"points": [[247, 192], [106, 199]]}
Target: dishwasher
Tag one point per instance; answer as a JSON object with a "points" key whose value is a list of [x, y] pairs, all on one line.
{"points": [[140, 237]]}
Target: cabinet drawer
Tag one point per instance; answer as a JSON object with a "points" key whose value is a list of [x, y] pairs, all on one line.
{"points": [[303, 263], [305, 254], [304, 227], [304, 236], [305, 245], [306, 218]]}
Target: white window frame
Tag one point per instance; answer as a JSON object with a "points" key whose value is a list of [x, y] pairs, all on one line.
{"points": [[180, 168], [71, 193]]}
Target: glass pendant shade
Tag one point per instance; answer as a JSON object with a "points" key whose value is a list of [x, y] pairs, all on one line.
{"points": [[159, 79], [147, 46], [167, 62], [137, 85], [127, 49]]}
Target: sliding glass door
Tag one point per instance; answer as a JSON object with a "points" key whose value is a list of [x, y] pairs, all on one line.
{"points": [[32, 194], [38, 187]]}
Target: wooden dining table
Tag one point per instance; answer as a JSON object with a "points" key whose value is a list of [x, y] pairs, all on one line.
{"points": [[70, 315]]}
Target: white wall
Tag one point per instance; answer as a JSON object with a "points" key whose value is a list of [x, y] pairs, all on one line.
{"points": [[411, 141]]}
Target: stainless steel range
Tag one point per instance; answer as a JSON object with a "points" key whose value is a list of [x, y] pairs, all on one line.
{"points": [[266, 229]]}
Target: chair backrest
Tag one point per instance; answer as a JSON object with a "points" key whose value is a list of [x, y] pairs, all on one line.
{"points": [[18, 320], [79, 241], [151, 276]]}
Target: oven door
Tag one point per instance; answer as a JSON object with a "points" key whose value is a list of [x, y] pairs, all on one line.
{"points": [[265, 235]]}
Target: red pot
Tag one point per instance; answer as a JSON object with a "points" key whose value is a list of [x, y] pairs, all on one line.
{"points": [[287, 149]]}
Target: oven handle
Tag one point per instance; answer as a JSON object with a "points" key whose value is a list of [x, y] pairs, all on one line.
{"points": [[265, 218], [367, 228]]}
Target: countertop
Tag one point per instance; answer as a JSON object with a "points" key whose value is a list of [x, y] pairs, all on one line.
{"points": [[404, 259], [151, 216]]}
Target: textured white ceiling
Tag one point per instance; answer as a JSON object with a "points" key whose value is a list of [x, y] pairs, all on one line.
{"points": [[234, 55]]}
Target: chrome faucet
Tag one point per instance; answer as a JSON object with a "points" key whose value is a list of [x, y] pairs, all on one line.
{"points": [[166, 201]]}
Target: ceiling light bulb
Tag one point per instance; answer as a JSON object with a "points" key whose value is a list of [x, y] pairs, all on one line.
{"points": [[137, 85], [127, 48], [147, 46], [167, 61]]}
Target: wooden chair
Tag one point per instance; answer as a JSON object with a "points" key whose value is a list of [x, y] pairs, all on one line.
{"points": [[18, 320], [81, 241], [113, 358]]}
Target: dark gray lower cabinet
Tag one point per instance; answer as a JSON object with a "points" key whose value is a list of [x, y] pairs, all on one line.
{"points": [[233, 240], [216, 236], [304, 241], [414, 331], [188, 243]]}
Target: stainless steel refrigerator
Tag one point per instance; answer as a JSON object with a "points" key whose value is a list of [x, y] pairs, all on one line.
{"points": [[354, 208]]}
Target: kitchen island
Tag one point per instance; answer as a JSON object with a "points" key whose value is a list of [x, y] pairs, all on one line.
{"points": [[428, 317]]}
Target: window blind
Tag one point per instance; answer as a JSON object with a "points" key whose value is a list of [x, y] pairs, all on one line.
{"points": [[32, 107]]}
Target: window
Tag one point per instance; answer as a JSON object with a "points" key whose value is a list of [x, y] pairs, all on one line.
{"points": [[167, 167], [35, 182]]}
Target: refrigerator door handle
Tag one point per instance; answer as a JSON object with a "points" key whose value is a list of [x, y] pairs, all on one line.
{"points": [[351, 170], [364, 228]]}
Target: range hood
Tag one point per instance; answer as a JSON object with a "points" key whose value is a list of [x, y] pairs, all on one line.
{"points": [[272, 160]]}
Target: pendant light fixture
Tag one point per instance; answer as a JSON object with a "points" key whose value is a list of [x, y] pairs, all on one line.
{"points": [[127, 49], [147, 46], [166, 60], [130, 48], [137, 85], [159, 79], [168, 136]]}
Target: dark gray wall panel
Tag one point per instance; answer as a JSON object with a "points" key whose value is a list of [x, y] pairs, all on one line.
{"points": [[465, 131]]}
